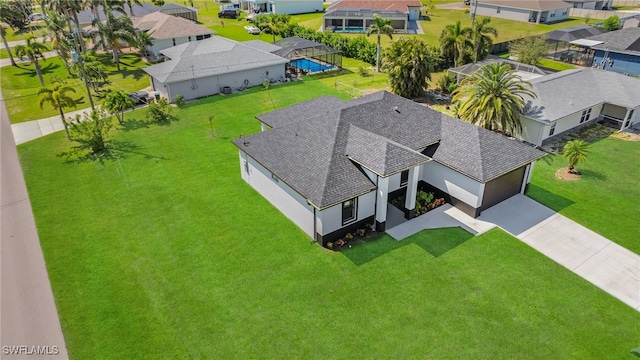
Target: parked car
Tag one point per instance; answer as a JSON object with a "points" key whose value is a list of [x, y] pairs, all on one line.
{"points": [[36, 17], [140, 97], [252, 29], [228, 13], [467, 2]]}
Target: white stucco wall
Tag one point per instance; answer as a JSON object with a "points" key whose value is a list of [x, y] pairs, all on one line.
{"points": [[394, 182], [571, 121], [285, 199], [532, 131], [331, 218], [196, 88], [296, 6], [452, 182], [158, 86], [505, 12]]}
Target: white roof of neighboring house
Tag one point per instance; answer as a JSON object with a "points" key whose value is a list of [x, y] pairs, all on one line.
{"points": [[538, 5], [567, 92], [162, 26], [208, 57]]}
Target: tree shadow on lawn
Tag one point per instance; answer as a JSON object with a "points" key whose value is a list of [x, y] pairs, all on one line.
{"points": [[593, 175], [547, 198], [133, 124], [378, 245], [45, 67], [330, 74], [116, 149]]}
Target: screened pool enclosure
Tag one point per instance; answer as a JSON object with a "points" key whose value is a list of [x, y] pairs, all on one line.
{"points": [[308, 57]]}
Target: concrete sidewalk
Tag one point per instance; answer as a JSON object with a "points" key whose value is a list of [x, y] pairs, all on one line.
{"points": [[593, 257], [31, 130], [29, 314]]}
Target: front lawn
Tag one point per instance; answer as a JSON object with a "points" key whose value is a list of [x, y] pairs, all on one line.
{"points": [[20, 85], [162, 251], [607, 197]]}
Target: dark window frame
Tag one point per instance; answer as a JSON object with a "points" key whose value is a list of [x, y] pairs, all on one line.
{"points": [[353, 216], [404, 178]]}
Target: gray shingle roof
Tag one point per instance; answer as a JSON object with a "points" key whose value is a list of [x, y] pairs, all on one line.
{"points": [[479, 153], [300, 111], [208, 57], [567, 92], [625, 40], [541, 5], [162, 26], [262, 45], [380, 131]]}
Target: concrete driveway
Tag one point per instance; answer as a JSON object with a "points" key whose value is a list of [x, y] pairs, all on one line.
{"points": [[597, 259]]}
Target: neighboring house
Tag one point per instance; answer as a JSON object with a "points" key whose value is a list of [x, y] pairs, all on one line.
{"points": [[617, 50], [166, 31], [86, 16], [357, 15], [572, 98], [282, 6], [525, 71], [631, 23], [329, 165], [591, 4], [215, 65], [538, 11]]}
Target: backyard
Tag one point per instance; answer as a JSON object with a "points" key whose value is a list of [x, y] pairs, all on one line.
{"points": [[160, 250]]}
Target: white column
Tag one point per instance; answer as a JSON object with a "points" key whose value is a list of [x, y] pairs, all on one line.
{"points": [[525, 179], [626, 118], [538, 17], [412, 190], [381, 202]]}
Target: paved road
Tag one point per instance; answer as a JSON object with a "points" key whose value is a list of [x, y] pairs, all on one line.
{"points": [[29, 314]]}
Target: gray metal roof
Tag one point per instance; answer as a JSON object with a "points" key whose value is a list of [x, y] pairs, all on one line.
{"points": [[319, 155], [208, 57], [625, 40], [567, 92], [539, 5]]}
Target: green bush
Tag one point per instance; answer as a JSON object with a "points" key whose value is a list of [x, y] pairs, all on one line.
{"points": [[160, 112], [363, 71], [178, 99]]}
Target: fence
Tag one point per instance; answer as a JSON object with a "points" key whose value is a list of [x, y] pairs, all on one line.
{"points": [[598, 14]]}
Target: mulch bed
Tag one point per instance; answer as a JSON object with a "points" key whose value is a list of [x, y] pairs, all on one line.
{"points": [[565, 175]]}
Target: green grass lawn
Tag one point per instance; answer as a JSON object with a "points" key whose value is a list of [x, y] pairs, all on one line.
{"points": [[20, 85], [164, 252], [605, 199]]}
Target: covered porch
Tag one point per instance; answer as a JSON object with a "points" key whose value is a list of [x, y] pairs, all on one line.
{"points": [[618, 117]]}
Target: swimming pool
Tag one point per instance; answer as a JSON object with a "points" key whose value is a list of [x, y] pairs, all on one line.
{"points": [[353, 29], [310, 65]]}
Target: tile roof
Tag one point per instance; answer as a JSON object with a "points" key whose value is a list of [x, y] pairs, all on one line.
{"points": [[208, 57], [540, 5], [319, 154], [386, 5], [625, 40], [162, 26], [567, 92]]}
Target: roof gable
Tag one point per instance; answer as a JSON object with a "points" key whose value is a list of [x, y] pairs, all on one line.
{"points": [[320, 155]]}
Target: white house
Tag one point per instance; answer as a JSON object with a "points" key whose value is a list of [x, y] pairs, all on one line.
{"points": [[214, 65], [283, 6], [572, 98], [591, 4], [538, 11], [330, 165], [166, 31], [358, 15]]}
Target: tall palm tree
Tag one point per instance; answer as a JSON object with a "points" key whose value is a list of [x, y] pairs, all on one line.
{"points": [[575, 152], [56, 95], [142, 41], [32, 50], [3, 34], [59, 36], [482, 42], [116, 30], [380, 27], [454, 41], [493, 98]]}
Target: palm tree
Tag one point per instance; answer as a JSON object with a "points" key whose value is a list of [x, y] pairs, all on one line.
{"points": [[56, 95], [115, 30], [3, 34], [116, 102], [142, 41], [454, 41], [493, 98], [380, 27], [575, 151], [59, 36], [32, 50], [480, 38], [408, 62]]}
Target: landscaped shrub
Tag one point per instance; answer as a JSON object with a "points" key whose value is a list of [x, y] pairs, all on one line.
{"points": [[160, 112], [178, 99]]}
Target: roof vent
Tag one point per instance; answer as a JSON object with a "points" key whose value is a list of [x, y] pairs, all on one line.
{"points": [[395, 108]]}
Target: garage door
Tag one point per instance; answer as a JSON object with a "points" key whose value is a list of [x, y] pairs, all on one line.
{"points": [[502, 188]]}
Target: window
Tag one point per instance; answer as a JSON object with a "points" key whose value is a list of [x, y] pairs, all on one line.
{"points": [[199, 37], [189, 38], [349, 211], [586, 114], [498, 10], [553, 129], [404, 178], [174, 41], [275, 178]]}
